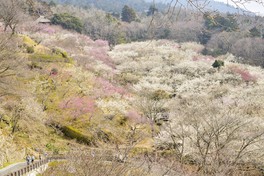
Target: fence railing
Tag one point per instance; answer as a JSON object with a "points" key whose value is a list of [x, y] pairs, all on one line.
{"points": [[26, 169]]}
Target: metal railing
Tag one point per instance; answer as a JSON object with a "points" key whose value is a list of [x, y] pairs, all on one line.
{"points": [[24, 170]]}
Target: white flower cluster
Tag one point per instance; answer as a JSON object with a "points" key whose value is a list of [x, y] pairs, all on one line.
{"points": [[113, 106], [33, 109]]}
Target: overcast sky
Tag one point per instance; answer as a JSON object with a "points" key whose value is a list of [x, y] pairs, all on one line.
{"points": [[253, 6]]}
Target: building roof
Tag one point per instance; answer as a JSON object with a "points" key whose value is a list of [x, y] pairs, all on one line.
{"points": [[43, 19]]}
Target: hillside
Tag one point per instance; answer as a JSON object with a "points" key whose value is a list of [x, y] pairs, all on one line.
{"points": [[110, 92], [143, 5], [107, 5], [210, 5], [175, 81], [145, 104], [64, 93]]}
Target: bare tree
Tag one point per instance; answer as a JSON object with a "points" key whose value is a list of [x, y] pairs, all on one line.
{"points": [[152, 109], [17, 114], [10, 63], [217, 140], [11, 13], [250, 49]]}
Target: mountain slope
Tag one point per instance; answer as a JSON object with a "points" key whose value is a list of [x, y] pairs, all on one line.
{"points": [[210, 5], [107, 5]]}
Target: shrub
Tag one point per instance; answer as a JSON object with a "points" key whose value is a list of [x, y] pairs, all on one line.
{"points": [[127, 78], [68, 21], [121, 120], [159, 95], [30, 49], [59, 52], [51, 147], [54, 71], [218, 64], [34, 65], [254, 32]]}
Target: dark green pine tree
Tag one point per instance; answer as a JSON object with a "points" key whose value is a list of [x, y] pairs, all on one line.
{"points": [[52, 4], [128, 14], [254, 32], [68, 21], [152, 9]]}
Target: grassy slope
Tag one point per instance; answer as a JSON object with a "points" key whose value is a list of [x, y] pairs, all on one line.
{"points": [[81, 103]]}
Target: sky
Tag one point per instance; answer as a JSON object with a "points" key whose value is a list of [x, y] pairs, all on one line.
{"points": [[253, 6]]}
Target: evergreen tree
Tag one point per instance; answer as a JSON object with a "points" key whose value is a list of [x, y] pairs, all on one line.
{"points": [[220, 23], [254, 32], [204, 37], [68, 21], [128, 14], [152, 9], [218, 64], [52, 4]]}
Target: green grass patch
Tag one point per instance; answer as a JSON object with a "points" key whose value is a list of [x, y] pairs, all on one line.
{"points": [[49, 58], [140, 150], [10, 163], [56, 163], [22, 135], [28, 41], [6, 164], [75, 134], [52, 148], [59, 52]]}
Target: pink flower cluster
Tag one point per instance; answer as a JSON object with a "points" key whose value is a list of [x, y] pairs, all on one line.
{"points": [[245, 75], [101, 43], [44, 28], [79, 106], [107, 88], [84, 40], [100, 53], [135, 117], [49, 30]]}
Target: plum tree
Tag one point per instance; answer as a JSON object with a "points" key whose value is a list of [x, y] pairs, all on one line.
{"points": [[11, 12]]}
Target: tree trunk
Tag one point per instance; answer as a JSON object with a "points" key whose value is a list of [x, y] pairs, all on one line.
{"points": [[5, 28], [13, 28]]}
